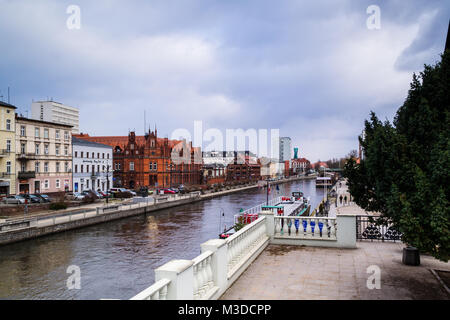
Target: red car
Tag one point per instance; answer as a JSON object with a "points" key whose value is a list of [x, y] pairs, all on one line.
{"points": [[167, 190]]}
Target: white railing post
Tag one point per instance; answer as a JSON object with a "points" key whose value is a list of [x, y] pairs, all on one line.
{"points": [[181, 276], [219, 262], [346, 230], [270, 223]]}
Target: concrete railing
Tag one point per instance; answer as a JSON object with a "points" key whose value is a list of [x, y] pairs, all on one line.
{"points": [[158, 291], [244, 243], [305, 228]]}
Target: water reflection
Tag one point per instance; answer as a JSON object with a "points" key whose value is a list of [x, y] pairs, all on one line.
{"points": [[117, 259]]}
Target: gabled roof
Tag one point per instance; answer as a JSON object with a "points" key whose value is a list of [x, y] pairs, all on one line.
{"points": [[7, 105]]}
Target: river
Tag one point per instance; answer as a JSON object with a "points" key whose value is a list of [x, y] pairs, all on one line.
{"points": [[117, 259]]}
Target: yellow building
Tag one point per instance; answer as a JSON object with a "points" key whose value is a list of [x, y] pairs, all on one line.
{"points": [[7, 149]]}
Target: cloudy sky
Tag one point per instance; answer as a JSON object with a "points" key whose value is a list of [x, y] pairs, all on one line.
{"points": [[311, 69]]}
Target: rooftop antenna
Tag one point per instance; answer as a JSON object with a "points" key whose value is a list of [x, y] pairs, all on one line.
{"points": [[145, 124]]}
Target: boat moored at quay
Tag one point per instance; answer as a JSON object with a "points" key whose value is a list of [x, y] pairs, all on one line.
{"points": [[295, 205]]}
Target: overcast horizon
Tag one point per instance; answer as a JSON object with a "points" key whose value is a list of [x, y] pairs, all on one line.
{"points": [[313, 70]]}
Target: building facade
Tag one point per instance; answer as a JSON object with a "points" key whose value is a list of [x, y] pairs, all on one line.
{"points": [[7, 149], [243, 169], [52, 111], [301, 165], [149, 161], [92, 166], [285, 149], [43, 156]]}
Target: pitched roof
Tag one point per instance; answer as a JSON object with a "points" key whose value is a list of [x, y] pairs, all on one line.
{"points": [[82, 142]]}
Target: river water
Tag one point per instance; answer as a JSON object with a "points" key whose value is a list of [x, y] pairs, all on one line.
{"points": [[117, 259]]}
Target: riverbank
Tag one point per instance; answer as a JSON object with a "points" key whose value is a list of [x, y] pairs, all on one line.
{"points": [[44, 223]]}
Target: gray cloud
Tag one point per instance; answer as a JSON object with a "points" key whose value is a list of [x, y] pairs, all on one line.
{"points": [[311, 69]]}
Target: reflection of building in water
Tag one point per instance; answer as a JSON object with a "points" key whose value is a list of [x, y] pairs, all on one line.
{"points": [[35, 266]]}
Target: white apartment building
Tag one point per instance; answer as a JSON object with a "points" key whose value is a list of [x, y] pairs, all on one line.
{"points": [[285, 149], [92, 166], [224, 158], [52, 111]]}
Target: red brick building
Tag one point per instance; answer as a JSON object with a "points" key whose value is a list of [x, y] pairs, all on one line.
{"points": [[151, 161], [243, 171]]}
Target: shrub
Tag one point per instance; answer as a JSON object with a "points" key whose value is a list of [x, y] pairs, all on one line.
{"points": [[58, 206], [122, 195]]}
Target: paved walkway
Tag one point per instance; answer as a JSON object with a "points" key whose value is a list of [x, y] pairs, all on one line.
{"points": [[295, 272]]}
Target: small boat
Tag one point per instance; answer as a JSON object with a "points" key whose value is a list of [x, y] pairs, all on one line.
{"points": [[227, 233]]}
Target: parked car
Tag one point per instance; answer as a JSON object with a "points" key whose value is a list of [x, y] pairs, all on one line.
{"points": [[132, 192], [14, 200], [103, 194], [168, 190], [90, 193], [77, 196], [32, 198], [175, 190], [44, 197]]}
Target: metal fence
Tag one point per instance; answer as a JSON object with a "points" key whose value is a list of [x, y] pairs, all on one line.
{"points": [[367, 228]]}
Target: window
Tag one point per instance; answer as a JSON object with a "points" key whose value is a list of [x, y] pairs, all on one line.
{"points": [[37, 148], [66, 167], [36, 132], [98, 168], [108, 155], [87, 184], [66, 135], [103, 154], [87, 154], [98, 155], [93, 155], [81, 154], [93, 169], [8, 124], [8, 167], [155, 166], [45, 148], [46, 184], [56, 134], [23, 167], [57, 167], [22, 148], [22, 131], [81, 168], [8, 145], [45, 166], [46, 136], [76, 154], [36, 166], [57, 184], [98, 183], [76, 168], [66, 150], [131, 166], [57, 149]]}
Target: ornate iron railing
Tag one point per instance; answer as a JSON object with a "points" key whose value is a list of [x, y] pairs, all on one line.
{"points": [[367, 228]]}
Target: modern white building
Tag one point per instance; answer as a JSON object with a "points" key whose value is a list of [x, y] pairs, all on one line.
{"points": [[285, 149], [226, 157], [52, 111], [92, 166]]}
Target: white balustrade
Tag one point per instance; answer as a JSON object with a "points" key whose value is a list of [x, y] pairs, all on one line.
{"points": [[245, 241], [320, 228], [157, 291], [203, 275]]}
